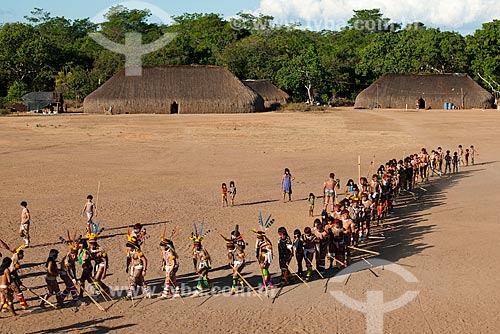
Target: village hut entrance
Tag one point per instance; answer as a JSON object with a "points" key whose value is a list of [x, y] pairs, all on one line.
{"points": [[174, 108], [421, 103]]}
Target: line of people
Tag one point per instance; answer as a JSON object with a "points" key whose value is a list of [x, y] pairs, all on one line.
{"points": [[331, 239]]}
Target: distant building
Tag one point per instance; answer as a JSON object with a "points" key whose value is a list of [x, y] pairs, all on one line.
{"points": [[425, 90], [177, 89], [272, 95], [35, 101]]}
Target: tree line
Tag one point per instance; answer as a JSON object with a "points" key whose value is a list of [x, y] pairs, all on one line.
{"points": [[47, 53]]}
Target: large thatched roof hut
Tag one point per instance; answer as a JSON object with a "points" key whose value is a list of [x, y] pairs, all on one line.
{"points": [[183, 89], [432, 90], [272, 95]]}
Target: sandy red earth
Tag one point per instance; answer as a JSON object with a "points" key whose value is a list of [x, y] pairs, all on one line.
{"points": [[155, 169]]}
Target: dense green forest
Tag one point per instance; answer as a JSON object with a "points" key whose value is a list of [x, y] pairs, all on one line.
{"points": [[47, 53]]}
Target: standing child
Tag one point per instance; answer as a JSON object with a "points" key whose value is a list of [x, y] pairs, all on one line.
{"points": [[232, 192], [447, 159], [311, 204], [286, 183], [455, 162], [472, 154], [224, 195], [285, 254], [309, 240], [460, 155], [467, 157], [298, 249], [89, 209]]}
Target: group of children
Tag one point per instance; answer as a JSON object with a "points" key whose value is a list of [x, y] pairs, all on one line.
{"points": [[231, 191]]}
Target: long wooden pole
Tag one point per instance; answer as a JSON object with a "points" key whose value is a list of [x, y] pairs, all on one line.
{"points": [[359, 169], [300, 278], [364, 250], [246, 282], [97, 198], [93, 300], [43, 299], [314, 267]]}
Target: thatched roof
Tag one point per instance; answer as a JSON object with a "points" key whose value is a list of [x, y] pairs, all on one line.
{"points": [[192, 89], [272, 95], [399, 90]]}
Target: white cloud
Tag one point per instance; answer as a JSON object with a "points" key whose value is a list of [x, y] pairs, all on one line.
{"points": [[333, 14]]}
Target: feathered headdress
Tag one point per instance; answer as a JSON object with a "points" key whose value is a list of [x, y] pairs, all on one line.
{"points": [[17, 250], [263, 226], [198, 236], [132, 241], [167, 242], [72, 242], [94, 232]]}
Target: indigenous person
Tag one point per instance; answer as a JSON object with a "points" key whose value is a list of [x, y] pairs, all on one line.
{"points": [[329, 191], [139, 232], [448, 159], [24, 229], [201, 261], [286, 184], [16, 283], [298, 250], [308, 240], [5, 282], [460, 155], [51, 278], [321, 245], [137, 266], [169, 264], [232, 192], [236, 257], [100, 258], [285, 254], [455, 162], [264, 255], [349, 188], [67, 272], [424, 164], [472, 154], [89, 209], [224, 195], [85, 260], [311, 200]]}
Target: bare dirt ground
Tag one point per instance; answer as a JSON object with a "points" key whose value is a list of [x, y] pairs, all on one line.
{"points": [[169, 168]]}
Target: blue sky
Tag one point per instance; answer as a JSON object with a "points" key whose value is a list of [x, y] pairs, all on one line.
{"points": [[16, 10], [459, 15]]}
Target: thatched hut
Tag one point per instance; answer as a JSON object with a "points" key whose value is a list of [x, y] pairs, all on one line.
{"points": [[402, 91], [272, 95], [183, 89]]}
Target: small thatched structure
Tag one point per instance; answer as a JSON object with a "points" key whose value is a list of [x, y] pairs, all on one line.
{"points": [[272, 95], [430, 90], [183, 89]]}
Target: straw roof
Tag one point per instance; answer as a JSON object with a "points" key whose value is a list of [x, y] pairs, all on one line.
{"points": [[186, 89], [401, 90], [272, 95]]}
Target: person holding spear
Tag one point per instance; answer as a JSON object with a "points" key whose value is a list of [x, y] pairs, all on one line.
{"points": [[5, 291], [169, 264]]}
